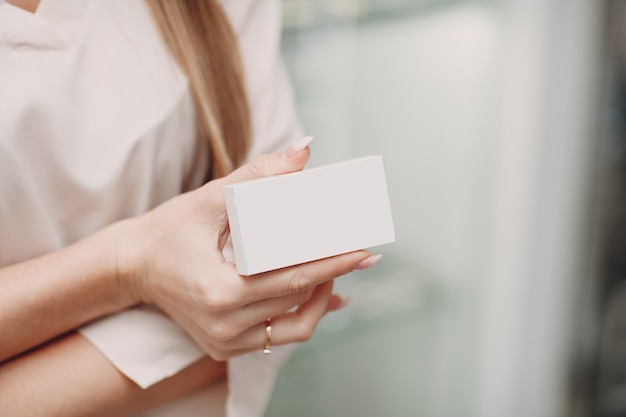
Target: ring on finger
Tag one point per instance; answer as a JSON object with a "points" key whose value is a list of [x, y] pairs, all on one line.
{"points": [[267, 347]]}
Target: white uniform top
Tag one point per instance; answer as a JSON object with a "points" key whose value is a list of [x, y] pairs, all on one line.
{"points": [[97, 124]]}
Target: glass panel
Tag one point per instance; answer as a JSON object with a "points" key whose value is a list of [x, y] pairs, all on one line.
{"points": [[433, 87]]}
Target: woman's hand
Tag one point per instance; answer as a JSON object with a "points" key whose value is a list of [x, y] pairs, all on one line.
{"points": [[174, 260]]}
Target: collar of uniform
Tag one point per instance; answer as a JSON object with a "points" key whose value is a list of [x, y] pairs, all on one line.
{"points": [[52, 26]]}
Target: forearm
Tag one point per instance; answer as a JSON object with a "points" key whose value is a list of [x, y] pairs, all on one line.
{"points": [[50, 295], [70, 377]]}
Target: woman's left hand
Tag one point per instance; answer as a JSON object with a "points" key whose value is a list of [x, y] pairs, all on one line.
{"points": [[173, 257]]}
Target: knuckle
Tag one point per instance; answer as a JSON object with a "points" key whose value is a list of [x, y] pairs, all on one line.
{"points": [[256, 167], [221, 332], [218, 301], [298, 283]]}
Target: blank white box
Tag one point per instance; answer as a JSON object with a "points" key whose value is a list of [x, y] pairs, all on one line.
{"points": [[303, 216]]}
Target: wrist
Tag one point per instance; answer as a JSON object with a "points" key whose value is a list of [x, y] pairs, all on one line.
{"points": [[124, 261]]}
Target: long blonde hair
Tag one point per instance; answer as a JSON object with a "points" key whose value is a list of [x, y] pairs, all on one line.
{"points": [[200, 38]]}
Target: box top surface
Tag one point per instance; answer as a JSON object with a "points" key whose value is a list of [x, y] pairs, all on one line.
{"points": [[305, 171]]}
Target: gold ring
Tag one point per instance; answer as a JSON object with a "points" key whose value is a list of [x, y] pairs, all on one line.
{"points": [[267, 348]]}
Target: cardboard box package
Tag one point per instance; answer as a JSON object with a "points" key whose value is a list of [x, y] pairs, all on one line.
{"points": [[303, 216]]}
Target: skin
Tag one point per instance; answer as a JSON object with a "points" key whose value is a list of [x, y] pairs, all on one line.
{"points": [[68, 377], [29, 5], [170, 257]]}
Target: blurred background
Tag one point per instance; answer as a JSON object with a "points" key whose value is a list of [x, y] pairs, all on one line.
{"points": [[501, 124]]}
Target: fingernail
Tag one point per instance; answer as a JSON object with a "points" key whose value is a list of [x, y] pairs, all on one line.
{"points": [[369, 262], [298, 146]]}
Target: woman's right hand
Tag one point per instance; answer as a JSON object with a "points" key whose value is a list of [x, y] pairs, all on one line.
{"points": [[173, 259]]}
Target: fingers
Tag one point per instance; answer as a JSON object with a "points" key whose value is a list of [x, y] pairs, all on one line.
{"points": [[260, 310], [234, 330], [336, 302], [212, 194], [292, 160], [273, 295], [297, 279], [299, 326], [291, 327]]}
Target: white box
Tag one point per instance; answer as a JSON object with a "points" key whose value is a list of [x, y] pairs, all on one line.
{"points": [[299, 217]]}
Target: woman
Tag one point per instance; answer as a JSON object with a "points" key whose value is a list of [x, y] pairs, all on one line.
{"points": [[112, 116]]}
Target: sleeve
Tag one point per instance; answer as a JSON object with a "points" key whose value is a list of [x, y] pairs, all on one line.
{"points": [[143, 343]]}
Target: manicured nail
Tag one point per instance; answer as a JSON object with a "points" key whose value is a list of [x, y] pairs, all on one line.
{"points": [[298, 146], [369, 262]]}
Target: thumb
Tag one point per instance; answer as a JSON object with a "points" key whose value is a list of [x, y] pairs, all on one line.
{"points": [[292, 160]]}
